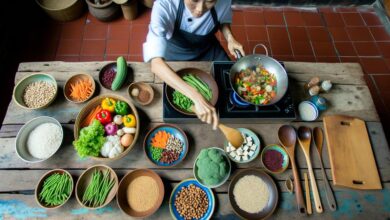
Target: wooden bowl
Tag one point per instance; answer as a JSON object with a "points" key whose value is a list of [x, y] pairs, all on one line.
{"points": [[205, 77], [273, 193], [90, 106], [74, 79], [39, 187], [121, 196], [86, 177], [141, 86]]}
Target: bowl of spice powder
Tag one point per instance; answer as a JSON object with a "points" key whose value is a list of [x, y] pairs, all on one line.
{"points": [[140, 193], [35, 91], [275, 159], [141, 92]]}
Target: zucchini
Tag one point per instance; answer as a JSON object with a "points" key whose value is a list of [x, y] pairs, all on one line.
{"points": [[121, 72]]}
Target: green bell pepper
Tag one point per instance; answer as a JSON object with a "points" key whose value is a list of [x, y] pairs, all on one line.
{"points": [[121, 108]]}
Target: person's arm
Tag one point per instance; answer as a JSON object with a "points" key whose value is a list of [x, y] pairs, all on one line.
{"points": [[203, 109], [233, 44]]}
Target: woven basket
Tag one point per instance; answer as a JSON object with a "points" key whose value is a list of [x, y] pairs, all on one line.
{"points": [[90, 106]]}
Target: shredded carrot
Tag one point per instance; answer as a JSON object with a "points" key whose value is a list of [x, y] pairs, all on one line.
{"points": [[160, 139], [88, 120], [81, 90]]}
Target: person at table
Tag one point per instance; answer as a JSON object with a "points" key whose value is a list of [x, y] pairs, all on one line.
{"points": [[184, 30]]}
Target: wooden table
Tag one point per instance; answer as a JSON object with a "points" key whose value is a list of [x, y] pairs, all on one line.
{"points": [[349, 96]]}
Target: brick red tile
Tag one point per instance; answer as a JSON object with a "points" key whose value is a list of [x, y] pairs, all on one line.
{"points": [[281, 48], [302, 48], [68, 58], [135, 58], [239, 33], [72, 30], [328, 59], [366, 49], [92, 20], [121, 21], [345, 49], [380, 34], [143, 17], [374, 65], [254, 18], [259, 50], [91, 58], [318, 34], [256, 33], [277, 33], [353, 19], [384, 47], [359, 34], [298, 34], [117, 47], [284, 58], [346, 9], [93, 47], [137, 38], [95, 32], [371, 19], [108, 57], [119, 32], [238, 17], [312, 18], [294, 18], [69, 47], [382, 81], [323, 49], [333, 20], [305, 58], [338, 34], [325, 10], [349, 59], [274, 18]]}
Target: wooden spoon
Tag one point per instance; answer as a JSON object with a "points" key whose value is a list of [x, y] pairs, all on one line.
{"points": [[288, 139], [319, 140], [304, 139]]}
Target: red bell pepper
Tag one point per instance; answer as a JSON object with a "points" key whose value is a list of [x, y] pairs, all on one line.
{"points": [[104, 116]]}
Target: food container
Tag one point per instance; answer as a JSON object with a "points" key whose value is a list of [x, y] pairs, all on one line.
{"points": [[284, 158], [90, 106], [74, 79], [39, 187], [145, 93], [23, 134], [65, 10], [23, 83], [308, 111], [85, 179], [121, 196], [229, 166], [110, 69], [251, 146]]}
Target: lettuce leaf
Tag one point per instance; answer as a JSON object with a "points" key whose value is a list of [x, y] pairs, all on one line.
{"points": [[91, 140]]}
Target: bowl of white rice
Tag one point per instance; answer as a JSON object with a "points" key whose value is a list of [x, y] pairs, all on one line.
{"points": [[39, 139]]}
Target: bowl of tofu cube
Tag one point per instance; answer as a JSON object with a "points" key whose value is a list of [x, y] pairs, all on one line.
{"points": [[248, 151]]}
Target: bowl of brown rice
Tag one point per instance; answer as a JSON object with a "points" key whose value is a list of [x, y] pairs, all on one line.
{"points": [[35, 91]]}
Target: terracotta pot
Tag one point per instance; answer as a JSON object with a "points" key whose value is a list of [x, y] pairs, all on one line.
{"points": [[103, 12], [148, 3], [130, 9], [66, 10]]}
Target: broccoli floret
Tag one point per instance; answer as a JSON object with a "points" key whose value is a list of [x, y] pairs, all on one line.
{"points": [[211, 181], [203, 154], [215, 155], [211, 166], [222, 169]]}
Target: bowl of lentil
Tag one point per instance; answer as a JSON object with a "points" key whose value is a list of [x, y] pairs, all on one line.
{"points": [[141, 92], [274, 159], [96, 187], [166, 145], [191, 200], [54, 189], [35, 91], [140, 193]]}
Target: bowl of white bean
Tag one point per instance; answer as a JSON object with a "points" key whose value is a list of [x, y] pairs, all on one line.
{"points": [[35, 91], [39, 139]]}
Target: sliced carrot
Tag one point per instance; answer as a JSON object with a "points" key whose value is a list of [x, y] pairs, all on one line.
{"points": [[160, 139], [81, 90]]}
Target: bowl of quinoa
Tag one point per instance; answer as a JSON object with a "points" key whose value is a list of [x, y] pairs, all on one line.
{"points": [[35, 91]]}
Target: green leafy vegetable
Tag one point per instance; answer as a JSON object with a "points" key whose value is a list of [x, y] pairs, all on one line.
{"points": [[91, 140]]}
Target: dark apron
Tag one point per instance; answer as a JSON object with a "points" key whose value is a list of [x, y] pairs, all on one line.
{"points": [[186, 46]]}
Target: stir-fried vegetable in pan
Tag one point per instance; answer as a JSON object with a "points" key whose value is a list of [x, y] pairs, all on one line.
{"points": [[256, 85]]}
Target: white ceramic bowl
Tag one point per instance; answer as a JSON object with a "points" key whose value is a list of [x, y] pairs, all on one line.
{"points": [[24, 132]]}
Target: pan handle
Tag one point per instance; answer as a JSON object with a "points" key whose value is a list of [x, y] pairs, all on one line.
{"points": [[265, 48], [238, 54]]}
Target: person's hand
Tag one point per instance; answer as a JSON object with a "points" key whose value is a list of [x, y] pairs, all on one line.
{"points": [[235, 45], [205, 111]]}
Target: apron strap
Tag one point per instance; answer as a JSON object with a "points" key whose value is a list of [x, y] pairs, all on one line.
{"points": [[215, 17]]}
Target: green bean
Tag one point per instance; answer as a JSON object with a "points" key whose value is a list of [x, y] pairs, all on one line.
{"points": [[53, 191], [98, 189]]}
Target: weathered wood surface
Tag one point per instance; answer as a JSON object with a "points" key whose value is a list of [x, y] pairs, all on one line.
{"points": [[350, 96]]}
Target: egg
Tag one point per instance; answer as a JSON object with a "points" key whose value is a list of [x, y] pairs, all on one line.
{"points": [[126, 140]]}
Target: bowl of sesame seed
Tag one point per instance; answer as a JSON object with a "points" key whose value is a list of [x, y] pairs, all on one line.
{"points": [[35, 91]]}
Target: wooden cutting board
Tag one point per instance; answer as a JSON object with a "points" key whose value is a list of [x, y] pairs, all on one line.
{"points": [[350, 153]]}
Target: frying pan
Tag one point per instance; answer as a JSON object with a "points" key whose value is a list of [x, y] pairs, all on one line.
{"points": [[269, 63]]}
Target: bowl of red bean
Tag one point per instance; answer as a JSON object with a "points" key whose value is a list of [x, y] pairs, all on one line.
{"points": [[107, 75], [274, 159]]}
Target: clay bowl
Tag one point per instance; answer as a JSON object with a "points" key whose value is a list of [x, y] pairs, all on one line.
{"points": [[282, 152], [205, 77], [86, 177], [142, 87], [73, 80], [90, 106], [39, 187], [121, 196]]}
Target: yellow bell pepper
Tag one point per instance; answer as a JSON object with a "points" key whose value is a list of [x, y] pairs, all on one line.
{"points": [[108, 104], [129, 121]]}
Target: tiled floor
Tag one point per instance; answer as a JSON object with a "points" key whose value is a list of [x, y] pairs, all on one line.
{"points": [[292, 34]]}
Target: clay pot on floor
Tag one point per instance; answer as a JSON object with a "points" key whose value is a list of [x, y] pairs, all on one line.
{"points": [[105, 11], [130, 9], [148, 3], [64, 10], [387, 7]]}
